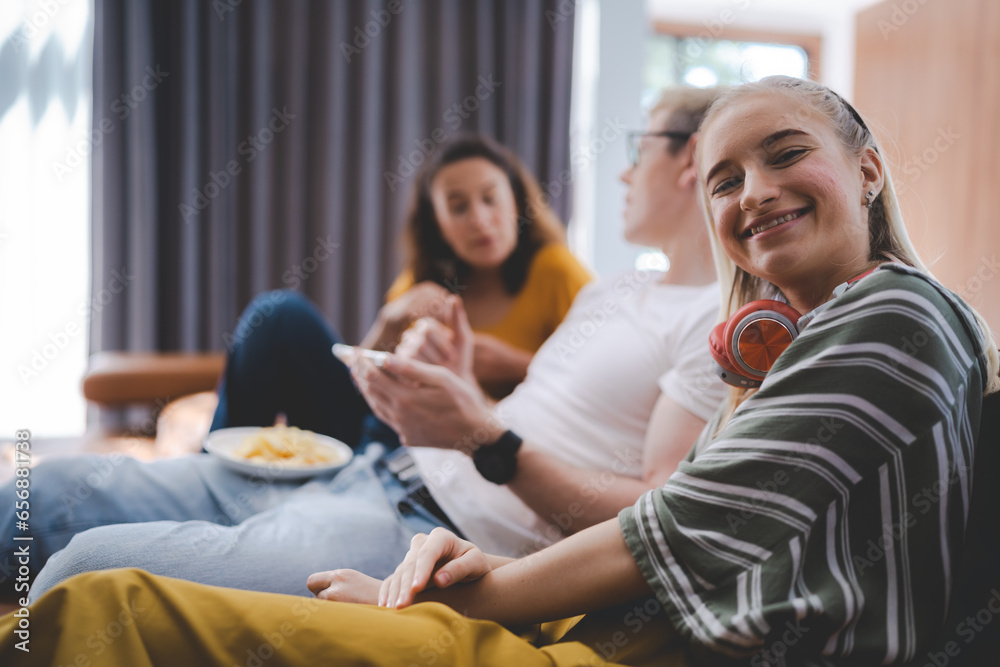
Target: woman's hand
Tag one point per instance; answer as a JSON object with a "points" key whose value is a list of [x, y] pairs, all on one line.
{"points": [[344, 586], [437, 560], [425, 299], [427, 405], [449, 344]]}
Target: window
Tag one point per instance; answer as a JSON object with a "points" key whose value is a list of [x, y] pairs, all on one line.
{"points": [[679, 54], [673, 60], [45, 122]]}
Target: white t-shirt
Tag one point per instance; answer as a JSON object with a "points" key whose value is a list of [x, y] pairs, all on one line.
{"points": [[587, 399]]}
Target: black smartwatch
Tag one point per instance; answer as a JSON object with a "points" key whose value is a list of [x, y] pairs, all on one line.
{"points": [[497, 463]]}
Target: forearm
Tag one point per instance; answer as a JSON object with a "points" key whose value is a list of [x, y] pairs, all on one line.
{"points": [[572, 498], [498, 561], [509, 366], [588, 571]]}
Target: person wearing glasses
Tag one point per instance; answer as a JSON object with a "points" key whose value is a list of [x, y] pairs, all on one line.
{"points": [[611, 402]]}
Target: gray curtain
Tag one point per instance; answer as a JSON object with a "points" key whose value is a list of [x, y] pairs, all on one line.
{"points": [[257, 144]]}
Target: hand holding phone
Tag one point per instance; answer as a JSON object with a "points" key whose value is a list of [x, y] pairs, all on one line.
{"points": [[347, 354]]}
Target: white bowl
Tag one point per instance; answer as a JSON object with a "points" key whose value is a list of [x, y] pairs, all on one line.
{"points": [[222, 443]]}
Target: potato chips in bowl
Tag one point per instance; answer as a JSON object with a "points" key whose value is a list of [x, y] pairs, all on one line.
{"points": [[281, 452]]}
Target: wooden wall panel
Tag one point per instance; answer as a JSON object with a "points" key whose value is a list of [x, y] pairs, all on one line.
{"points": [[928, 75]]}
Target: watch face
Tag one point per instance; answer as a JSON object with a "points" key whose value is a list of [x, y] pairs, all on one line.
{"points": [[490, 465], [497, 463]]}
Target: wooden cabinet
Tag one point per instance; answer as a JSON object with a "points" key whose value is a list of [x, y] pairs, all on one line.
{"points": [[928, 75]]}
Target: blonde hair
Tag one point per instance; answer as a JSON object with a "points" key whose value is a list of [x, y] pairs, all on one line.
{"points": [[888, 238], [687, 106]]}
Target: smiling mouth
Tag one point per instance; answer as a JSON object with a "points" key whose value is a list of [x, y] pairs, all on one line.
{"points": [[788, 217]]}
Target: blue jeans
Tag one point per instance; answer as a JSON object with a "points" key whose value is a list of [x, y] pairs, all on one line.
{"points": [[281, 360], [193, 518]]}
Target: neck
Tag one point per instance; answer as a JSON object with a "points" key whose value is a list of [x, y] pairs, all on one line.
{"points": [[690, 253], [480, 280], [820, 291]]}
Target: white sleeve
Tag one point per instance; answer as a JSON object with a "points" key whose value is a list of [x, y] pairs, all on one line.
{"points": [[692, 382]]}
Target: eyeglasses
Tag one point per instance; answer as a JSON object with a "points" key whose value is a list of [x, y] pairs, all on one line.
{"points": [[634, 143]]}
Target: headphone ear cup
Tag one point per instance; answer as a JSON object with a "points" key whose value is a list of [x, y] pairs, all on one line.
{"points": [[757, 334], [724, 368]]}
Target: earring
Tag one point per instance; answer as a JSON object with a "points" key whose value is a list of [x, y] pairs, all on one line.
{"points": [[869, 198]]}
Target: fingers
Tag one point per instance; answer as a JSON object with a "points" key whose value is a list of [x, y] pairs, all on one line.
{"points": [[400, 590], [426, 299], [464, 339], [441, 546], [438, 545], [439, 340], [460, 323], [437, 560], [415, 371], [383, 591], [344, 586], [470, 566], [318, 582], [379, 390], [372, 382], [427, 340], [412, 574]]}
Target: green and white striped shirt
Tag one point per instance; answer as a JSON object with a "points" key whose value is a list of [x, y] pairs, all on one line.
{"points": [[824, 524]]}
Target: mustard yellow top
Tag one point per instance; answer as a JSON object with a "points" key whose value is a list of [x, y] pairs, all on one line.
{"points": [[554, 278]]}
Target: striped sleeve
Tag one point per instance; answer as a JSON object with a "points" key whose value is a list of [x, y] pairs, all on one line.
{"points": [[827, 517]]}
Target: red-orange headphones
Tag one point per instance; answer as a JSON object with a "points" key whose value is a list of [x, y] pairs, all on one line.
{"points": [[746, 346]]}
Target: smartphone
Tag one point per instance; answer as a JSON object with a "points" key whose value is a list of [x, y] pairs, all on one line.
{"points": [[346, 353]]}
